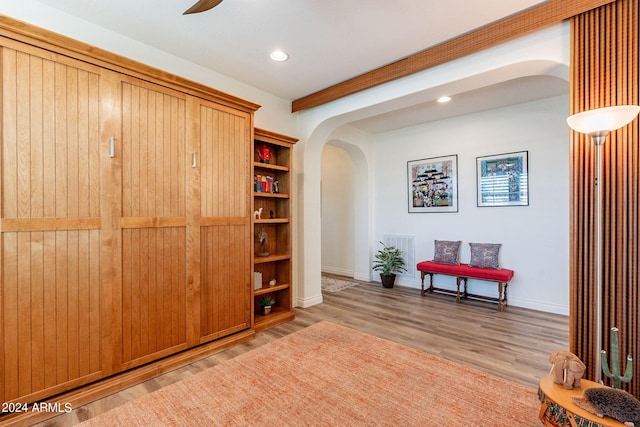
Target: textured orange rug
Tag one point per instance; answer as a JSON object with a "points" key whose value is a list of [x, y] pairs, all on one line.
{"points": [[330, 375]]}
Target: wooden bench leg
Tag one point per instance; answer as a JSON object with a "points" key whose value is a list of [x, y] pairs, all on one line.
{"points": [[430, 288], [502, 295], [458, 280]]}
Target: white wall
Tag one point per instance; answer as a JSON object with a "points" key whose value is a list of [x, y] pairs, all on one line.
{"points": [[337, 211], [535, 238]]}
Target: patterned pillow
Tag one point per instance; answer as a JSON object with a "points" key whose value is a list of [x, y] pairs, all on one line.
{"points": [[485, 255], [447, 252]]}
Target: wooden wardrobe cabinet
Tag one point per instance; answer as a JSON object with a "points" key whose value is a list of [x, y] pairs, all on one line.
{"points": [[125, 217]]}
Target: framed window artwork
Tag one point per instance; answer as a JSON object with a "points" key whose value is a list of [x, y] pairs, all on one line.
{"points": [[503, 179], [433, 184]]}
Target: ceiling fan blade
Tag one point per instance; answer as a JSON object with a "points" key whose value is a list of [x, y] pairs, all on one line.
{"points": [[202, 6]]}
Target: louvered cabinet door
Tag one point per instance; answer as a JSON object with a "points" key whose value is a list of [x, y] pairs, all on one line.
{"points": [[50, 256], [154, 167], [225, 226]]}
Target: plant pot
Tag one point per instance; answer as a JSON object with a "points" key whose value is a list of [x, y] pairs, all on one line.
{"points": [[266, 309], [388, 280]]}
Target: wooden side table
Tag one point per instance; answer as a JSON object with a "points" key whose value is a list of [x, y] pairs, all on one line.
{"points": [[559, 410]]}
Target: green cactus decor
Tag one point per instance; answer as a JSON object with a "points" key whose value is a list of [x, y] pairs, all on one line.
{"points": [[614, 374]]}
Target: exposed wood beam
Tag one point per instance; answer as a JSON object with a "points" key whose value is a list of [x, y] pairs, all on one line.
{"points": [[511, 27]]}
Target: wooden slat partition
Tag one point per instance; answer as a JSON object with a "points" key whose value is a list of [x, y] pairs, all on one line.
{"points": [[530, 20], [605, 72]]}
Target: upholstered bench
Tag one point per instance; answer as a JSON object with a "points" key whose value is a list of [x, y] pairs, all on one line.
{"points": [[462, 272]]}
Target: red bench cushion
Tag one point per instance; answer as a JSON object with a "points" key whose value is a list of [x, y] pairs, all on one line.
{"points": [[465, 270]]}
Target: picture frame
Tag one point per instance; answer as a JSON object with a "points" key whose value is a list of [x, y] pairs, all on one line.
{"points": [[433, 184], [503, 179]]}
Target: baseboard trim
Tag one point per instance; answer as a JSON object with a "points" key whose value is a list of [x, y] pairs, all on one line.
{"points": [[362, 277], [309, 302], [336, 270]]}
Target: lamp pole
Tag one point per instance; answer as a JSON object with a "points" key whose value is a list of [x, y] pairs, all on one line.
{"points": [[598, 124], [598, 139]]}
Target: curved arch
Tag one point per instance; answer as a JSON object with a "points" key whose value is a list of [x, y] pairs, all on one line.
{"points": [[362, 218], [330, 122]]}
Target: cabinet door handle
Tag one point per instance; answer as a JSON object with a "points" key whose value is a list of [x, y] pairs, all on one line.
{"points": [[112, 147], [193, 163]]}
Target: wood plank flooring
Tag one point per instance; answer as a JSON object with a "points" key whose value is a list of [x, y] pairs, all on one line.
{"points": [[514, 344]]}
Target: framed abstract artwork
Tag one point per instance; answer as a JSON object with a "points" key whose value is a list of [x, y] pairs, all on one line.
{"points": [[433, 184], [503, 179]]}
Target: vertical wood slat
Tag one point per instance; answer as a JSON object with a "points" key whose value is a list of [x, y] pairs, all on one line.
{"points": [[605, 72], [46, 341]]}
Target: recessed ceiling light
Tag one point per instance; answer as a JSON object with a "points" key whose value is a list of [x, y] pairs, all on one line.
{"points": [[444, 99], [279, 55]]}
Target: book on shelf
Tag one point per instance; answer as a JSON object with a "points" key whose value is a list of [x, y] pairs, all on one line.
{"points": [[257, 280], [263, 184]]}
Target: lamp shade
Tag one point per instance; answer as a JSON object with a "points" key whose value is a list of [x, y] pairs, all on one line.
{"points": [[604, 119]]}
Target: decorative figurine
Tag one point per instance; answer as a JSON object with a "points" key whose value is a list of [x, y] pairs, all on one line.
{"points": [[271, 214], [264, 153], [263, 239], [272, 282], [566, 369], [275, 187], [257, 214], [610, 402], [614, 373]]}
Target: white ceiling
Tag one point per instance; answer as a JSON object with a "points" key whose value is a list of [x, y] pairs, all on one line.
{"points": [[328, 41]]}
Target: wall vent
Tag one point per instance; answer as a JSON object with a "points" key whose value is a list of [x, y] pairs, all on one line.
{"points": [[407, 245]]}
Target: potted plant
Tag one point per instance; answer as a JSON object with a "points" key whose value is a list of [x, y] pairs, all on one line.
{"points": [[266, 303], [388, 261]]}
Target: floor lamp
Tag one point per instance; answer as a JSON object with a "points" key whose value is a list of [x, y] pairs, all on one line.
{"points": [[598, 124]]}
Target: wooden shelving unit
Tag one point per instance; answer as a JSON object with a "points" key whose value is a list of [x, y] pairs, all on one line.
{"points": [[272, 187]]}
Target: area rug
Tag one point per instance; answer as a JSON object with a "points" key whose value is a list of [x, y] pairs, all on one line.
{"points": [[332, 284], [331, 375]]}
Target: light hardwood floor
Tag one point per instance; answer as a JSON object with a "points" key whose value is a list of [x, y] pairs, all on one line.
{"points": [[514, 344]]}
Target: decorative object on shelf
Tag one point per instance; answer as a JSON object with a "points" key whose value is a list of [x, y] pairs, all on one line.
{"points": [[266, 303], [566, 369], [503, 179], [257, 214], [614, 373], [263, 239], [275, 187], [272, 282], [257, 280], [610, 402], [389, 261], [433, 184], [264, 154], [271, 214], [598, 124]]}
